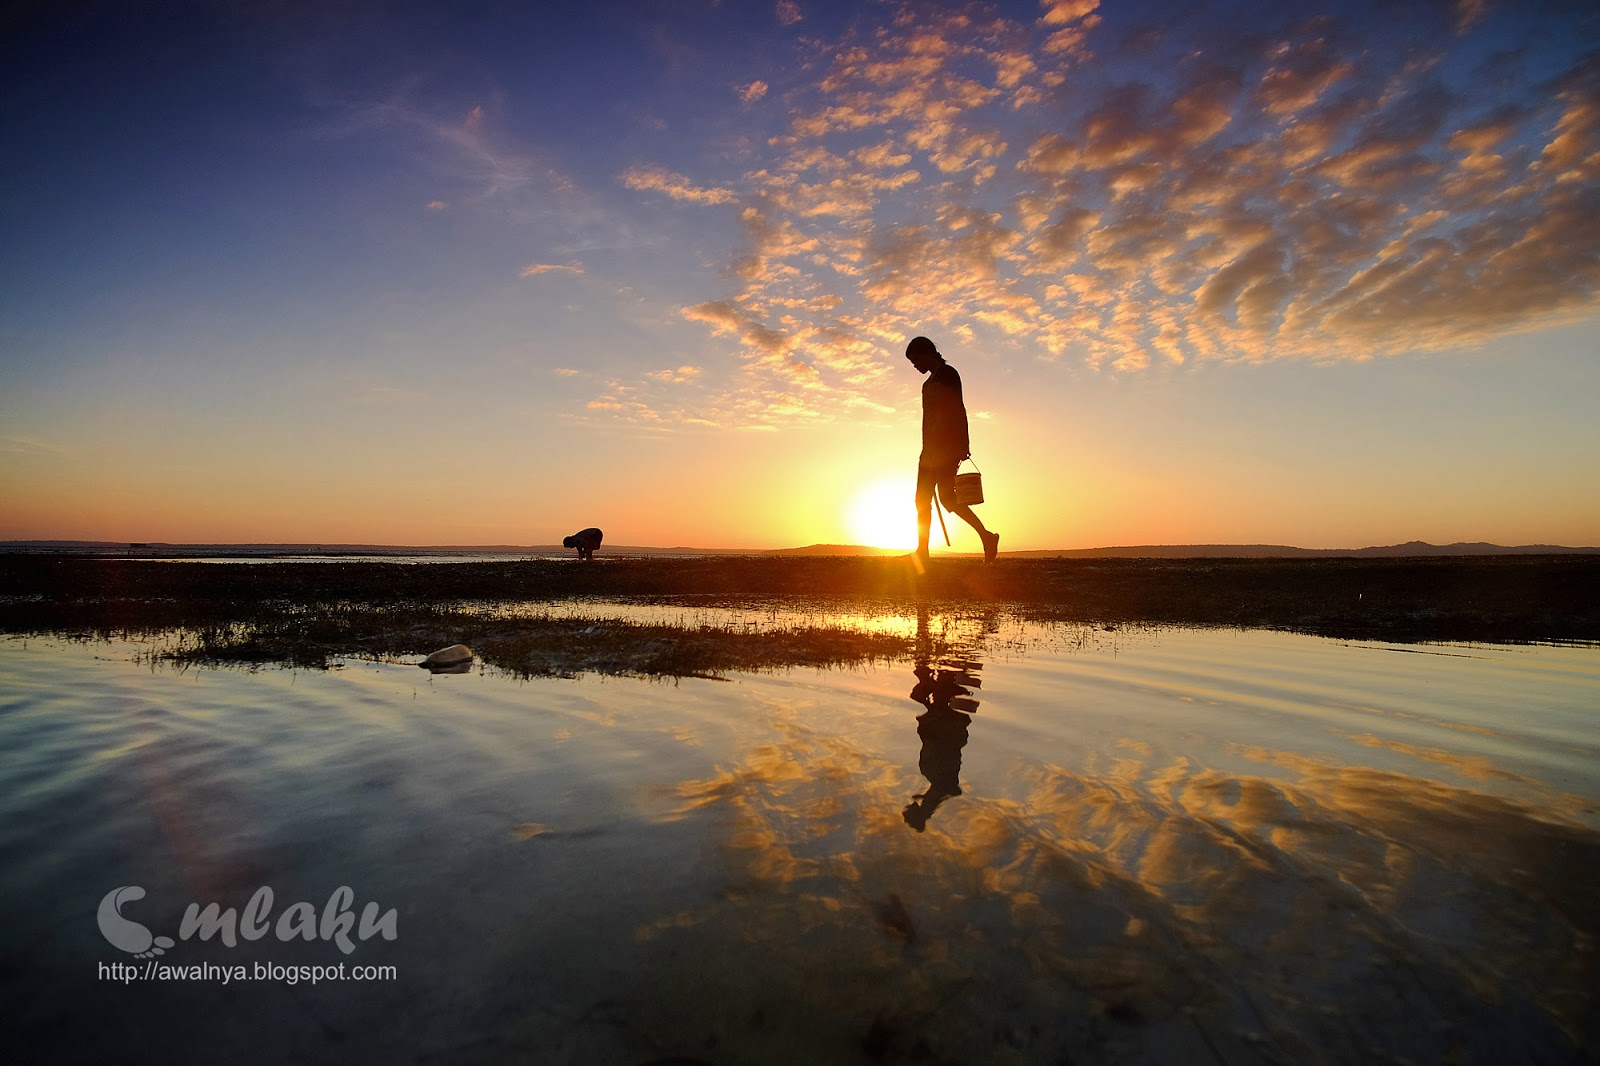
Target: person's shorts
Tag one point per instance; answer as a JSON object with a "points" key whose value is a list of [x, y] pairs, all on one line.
{"points": [[940, 475]]}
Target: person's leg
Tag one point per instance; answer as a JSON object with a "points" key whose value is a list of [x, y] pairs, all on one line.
{"points": [[991, 541], [968, 515], [926, 479]]}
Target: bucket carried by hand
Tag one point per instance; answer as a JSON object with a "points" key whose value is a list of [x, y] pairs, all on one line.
{"points": [[969, 487]]}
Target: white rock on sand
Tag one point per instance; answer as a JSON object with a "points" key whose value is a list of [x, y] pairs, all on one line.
{"points": [[454, 655]]}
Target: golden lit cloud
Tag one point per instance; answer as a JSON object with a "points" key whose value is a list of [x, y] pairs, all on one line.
{"points": [[1307, 193], [677, 376], [1061, 12], [533, 270], [675, 185], [1300, 74]]}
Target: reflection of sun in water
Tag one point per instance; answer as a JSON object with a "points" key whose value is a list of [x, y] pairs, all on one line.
{"points": [[882, 514]]}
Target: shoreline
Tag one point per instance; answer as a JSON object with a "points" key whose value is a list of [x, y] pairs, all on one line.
{"points": [[300, 614]]}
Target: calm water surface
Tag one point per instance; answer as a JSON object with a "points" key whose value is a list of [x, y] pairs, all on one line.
{"points": [[1048, 845]]}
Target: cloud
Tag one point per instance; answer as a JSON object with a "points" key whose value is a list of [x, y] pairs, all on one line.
{"points": [[500, 170], [1152, 195], [749, 94], [789, 13], [1301, 72], [674, 185], [721, 317], [28, 446], [463, 148], [677, 376], [1469, 13], [533, 270], [1063, 12]]}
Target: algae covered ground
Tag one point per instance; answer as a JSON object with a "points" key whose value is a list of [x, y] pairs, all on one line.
{"points": [[309, 613]]}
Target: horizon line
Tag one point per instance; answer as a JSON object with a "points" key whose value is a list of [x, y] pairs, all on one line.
{"points": [[315, 547]]}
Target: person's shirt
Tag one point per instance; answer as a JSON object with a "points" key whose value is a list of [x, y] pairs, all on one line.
{"points": [[944, 416]]}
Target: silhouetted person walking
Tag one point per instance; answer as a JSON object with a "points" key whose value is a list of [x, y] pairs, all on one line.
{"points": [[944, 444]]}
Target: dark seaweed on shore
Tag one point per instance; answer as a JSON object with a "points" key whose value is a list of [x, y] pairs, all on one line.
{"points": [[527, 646], [304, 613]]}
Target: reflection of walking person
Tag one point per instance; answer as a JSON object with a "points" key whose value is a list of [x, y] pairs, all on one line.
{"points": [[943, 730], [944, 445]]}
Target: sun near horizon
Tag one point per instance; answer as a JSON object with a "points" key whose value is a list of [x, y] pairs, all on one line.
{"points": [[880, 514]]}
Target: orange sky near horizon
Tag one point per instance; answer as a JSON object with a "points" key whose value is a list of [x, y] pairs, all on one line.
{"points": [[1133, 470]]}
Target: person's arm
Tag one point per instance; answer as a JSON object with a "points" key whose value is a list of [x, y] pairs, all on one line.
{"points": [[960, 414]]}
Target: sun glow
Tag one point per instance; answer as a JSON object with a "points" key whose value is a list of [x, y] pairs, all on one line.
{"points": [[882, 514]]}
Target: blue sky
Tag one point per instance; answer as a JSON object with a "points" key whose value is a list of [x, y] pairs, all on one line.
{"points": [[487, 273]]}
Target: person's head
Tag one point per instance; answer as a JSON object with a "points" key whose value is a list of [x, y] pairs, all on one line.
{"points": [[922, 354]]}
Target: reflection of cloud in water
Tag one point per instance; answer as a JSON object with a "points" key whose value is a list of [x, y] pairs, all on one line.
{"points": [[1161, 912], [1471, 766]]}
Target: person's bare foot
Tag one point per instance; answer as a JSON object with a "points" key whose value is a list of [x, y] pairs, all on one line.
{"points": [[991, 547]]}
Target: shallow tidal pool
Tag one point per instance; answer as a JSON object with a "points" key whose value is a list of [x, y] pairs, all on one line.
{"points": [[1038, 844]]}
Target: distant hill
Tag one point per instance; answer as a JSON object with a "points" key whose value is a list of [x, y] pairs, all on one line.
{"points": [[837, 549], [1409, 550], [169, 550]]}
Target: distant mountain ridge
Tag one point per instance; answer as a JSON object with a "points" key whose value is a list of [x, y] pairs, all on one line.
{"points": [[837, 549], [1410, 549], [166, 549]]}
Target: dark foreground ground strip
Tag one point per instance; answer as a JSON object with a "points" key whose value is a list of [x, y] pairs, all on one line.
{"points": [[1493, 598]]}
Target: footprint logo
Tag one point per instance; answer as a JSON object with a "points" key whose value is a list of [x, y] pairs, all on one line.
{"points": [[126, 935]]}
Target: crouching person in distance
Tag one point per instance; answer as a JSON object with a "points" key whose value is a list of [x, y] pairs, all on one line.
{"points": [[585, 540]]}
